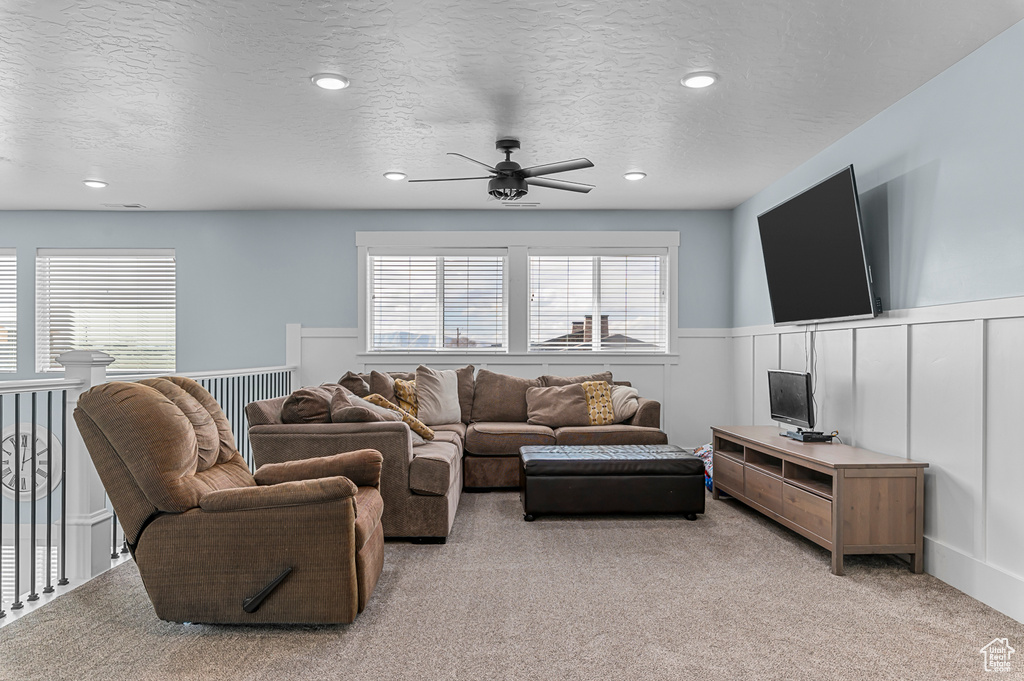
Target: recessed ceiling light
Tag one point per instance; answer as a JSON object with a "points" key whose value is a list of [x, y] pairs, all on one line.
{"points": [[699, 79], [394, 175], [330, 81], [94, 184], [635, 175]]}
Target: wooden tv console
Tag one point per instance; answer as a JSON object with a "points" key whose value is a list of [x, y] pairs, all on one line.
{"points": [[846, 499]]}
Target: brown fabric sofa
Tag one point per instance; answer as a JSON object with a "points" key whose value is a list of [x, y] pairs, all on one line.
{"points": [[421, 485], [297, 543]]}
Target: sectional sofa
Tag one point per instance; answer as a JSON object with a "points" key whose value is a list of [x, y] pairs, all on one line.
{"points": [[422, 480]]}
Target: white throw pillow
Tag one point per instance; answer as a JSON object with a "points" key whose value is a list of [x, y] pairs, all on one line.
{"points": [[625, 402], [388, 414], [437, 393]]}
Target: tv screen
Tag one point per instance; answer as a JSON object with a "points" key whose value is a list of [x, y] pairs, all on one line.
{"points": [[790, 398], [814, 254]]}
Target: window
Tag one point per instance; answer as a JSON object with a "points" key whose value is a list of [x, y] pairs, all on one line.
{"points": [[8, 310], [118, 301], [626, 293], [437, 302]]}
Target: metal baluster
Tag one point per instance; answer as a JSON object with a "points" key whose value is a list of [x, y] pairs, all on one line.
{"points": [[17, 604], [32, 595], [63, 581], [3, 613], [113, 539], [48, 589]]}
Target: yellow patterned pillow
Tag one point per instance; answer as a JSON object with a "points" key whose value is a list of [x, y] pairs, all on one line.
{"points": [[405, 393], [599, 402], [414, 423]]}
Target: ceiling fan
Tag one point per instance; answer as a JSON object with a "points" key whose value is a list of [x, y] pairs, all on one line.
{"points": [[509, 181]]}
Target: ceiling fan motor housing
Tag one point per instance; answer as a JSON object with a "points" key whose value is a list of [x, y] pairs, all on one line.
{"points": [[507, 187]]}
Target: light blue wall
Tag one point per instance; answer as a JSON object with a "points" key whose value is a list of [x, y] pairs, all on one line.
{"points": [[941, 183], [243, 275]]}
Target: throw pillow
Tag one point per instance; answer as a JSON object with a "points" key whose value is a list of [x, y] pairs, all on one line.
{"points": [[437, 394], [307, 405], [357, 384], [348, 408], [405, 396], [599, 402], [383, 384], [625, 402], [557, 406], [414, 423], [569, 380], [467, 384], [500, 397]]}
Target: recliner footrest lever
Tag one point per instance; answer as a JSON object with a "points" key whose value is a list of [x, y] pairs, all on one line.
{"points": [[253, 603]]}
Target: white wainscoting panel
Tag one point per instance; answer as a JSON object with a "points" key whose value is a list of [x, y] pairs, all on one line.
{"points": [[1004, 445], [945, 431], [881, 389], [743, 380], [834, 383], [766, 356], [793, 355]]}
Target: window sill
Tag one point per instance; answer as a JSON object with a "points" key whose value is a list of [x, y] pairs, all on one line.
{"points": [[543, 358]]}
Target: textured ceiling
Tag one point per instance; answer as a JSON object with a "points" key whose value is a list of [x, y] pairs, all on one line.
{"points": [[184, 105]]}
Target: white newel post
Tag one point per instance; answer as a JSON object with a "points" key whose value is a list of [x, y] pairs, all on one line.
{"points": [[88, 518]]}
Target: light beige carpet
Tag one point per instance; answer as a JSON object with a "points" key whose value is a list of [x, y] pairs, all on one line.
{"points": [[731, 596]]}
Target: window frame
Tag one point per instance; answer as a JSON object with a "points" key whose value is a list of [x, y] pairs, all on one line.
{"points": [[43, 367], [519, 245]]}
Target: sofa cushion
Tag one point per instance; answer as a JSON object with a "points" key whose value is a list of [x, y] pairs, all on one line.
{"points": [[435, 467], [504, 438], [437, 393], [414, 423], [467, 386], [500, 397], [383, 384], [451, 432], [307, 405], [405, 396], [562, 405], [348, 408], [610, 435], [546, 380], [357, 384]]}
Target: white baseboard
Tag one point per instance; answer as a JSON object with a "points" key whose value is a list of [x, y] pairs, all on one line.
{"points": [[990, 585]]}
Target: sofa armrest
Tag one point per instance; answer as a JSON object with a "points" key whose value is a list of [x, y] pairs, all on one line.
{"points": [[297, 493], [648, 415], [362, 467], [292, 442]]}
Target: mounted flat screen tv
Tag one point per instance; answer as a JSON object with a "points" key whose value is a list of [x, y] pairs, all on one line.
{"points": [[790, 398], [814, 254]]}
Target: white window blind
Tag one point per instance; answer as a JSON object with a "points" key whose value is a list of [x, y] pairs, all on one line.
{"points": [[436, 303], [8, 310], [598, 303], [119, 302]]}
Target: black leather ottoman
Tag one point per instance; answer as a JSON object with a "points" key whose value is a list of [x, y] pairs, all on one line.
{"points": [[610, 479]]}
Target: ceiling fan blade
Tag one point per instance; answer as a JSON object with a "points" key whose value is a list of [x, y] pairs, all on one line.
{"points": [[559, 184], [479, 163], [451, 179], [560, 167]]}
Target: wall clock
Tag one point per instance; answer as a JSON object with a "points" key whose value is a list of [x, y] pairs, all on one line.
{"points": [[46, 443]]}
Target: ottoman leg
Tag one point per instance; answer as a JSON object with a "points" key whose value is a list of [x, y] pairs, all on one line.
{"points": [[528, 517], [690, 516]]}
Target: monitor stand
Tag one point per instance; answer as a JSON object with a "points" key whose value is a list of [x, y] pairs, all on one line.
{"points": [[808, 435]]}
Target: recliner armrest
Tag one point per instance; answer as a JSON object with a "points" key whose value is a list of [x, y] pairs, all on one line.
{"points": [[296, 493], [362, 467]]}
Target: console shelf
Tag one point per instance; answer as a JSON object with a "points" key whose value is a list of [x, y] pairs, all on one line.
{"points": [[847, 499]]}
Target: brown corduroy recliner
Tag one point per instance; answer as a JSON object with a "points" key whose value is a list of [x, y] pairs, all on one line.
{"points": [[301, 542]]}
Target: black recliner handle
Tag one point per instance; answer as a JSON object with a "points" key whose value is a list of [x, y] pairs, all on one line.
{"points": [[253, 603]]}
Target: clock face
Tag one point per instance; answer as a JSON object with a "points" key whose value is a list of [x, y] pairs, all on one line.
{"points": [[20, 450]]}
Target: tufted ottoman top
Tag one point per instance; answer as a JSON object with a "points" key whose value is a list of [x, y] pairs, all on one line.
{"points": [[571, 460]]}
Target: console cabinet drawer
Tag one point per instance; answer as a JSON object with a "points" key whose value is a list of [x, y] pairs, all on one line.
{"points": [[728, 473], [809, 511], [763, 489]]}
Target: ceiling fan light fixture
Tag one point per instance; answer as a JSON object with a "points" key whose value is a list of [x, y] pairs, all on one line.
{"points": [[330, 81], [635, 175], [699, 79], [505, 188], [394, 175], [94, 184]]}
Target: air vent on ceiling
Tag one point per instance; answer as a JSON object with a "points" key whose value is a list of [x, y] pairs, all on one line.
{"points": [[519, 204], [134, 206]]}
